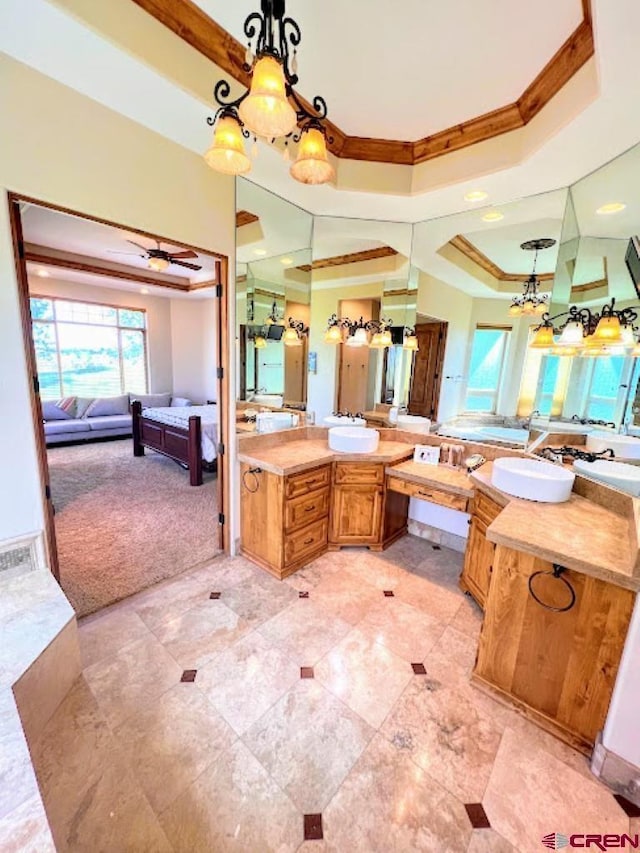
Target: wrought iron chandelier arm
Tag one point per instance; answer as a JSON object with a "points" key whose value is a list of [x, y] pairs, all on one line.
{"points": [[289, 34], [226, 107], [255, 26]]}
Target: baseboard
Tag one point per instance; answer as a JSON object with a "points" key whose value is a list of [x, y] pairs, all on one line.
{"points": [[617, 773], [438, 536]]}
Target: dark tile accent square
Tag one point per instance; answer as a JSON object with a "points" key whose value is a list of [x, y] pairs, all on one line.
{"points": [[629, 808], [302, 594], [419, 669], [436, 548], [215, 595], [388, 593], [313, 827], [477, 816], [189, 675], [306, 672]]}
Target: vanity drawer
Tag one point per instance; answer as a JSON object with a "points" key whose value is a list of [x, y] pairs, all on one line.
{"points": [[308, 481], [426, 493], [359, 473], [485, 509], [304, 510], [306, 541]]}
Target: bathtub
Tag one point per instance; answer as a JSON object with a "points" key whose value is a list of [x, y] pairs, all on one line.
{"points": [[505, 435]]}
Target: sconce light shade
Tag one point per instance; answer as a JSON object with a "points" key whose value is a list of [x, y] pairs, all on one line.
{"points": [[358, 338], [376, 341], [572, 335], [564, 350], [259, 342], [290, 338], [515, 310], [227, 149], [608, 331], [312, 164], [333, 335], [385, 338], [628, 338], [266, 110], [543, 338], [410, 343], [635, 352]]}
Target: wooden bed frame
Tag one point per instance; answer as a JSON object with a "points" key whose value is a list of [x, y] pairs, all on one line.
{"points": [[183, 445]]}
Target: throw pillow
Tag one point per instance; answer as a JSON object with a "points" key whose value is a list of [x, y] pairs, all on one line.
{"points": [[181, 401], [59, 410], [152, 400], [103, 406], [82, 404]]}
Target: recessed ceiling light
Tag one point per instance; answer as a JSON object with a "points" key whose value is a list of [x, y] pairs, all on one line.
{"points": [[476, 195], [43, 273], [286, 261], [612, 207], [144, 290], [493, 216], [260, 252]]}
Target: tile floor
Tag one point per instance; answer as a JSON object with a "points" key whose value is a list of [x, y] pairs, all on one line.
{"points": [[256, 719]]}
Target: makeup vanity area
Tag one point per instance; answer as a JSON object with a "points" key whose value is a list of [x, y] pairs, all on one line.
{"points": [[556, 582]]}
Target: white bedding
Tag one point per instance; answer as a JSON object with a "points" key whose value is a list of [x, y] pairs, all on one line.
{"points": [[179, 416]]}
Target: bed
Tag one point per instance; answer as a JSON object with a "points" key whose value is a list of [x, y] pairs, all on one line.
{"points": [[188, 434]]}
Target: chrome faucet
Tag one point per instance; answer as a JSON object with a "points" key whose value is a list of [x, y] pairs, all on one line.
{"points": [[527, 421]]}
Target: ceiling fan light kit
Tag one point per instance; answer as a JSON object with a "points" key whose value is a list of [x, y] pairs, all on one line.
{"points": [[270, 108], [159, 259]]}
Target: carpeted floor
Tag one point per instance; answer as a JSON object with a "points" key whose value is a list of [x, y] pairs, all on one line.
{"points": [[122, 523]]}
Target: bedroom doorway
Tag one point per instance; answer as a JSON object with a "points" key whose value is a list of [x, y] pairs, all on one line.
{"points": [[112, 315]]}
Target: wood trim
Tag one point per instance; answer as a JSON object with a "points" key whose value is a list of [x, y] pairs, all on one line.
{"points": [[224, 406], [191, 24], [480, 259], [590, 285], [245, 217], [32, 368], [240, 279], [352, 258]]}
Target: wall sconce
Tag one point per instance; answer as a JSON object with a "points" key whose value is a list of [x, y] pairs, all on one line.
{"points": [[358, 332], [591, 334], [274, 318], [294, 333], [410, 340]]}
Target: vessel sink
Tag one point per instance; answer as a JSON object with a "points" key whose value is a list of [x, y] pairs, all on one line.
{"points": [[620, 475], [275, 400], [353, 439], [532, 479], [414, 423], [624, 446], [344, 421]]}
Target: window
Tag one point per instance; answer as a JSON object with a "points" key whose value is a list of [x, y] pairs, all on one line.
{"points": [[86, 349], [486, 367], [605, 392]]}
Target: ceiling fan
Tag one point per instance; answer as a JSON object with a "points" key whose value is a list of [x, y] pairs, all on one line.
{"points": [[159, 259]]}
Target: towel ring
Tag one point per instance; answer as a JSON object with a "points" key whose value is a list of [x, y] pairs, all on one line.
{"points": [[556, 573]]}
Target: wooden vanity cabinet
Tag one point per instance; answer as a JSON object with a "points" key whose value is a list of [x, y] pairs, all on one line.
{"points": [[284, 520], [479, 554], [559, 668]]}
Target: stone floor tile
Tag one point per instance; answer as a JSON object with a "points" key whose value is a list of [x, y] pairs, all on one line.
{"points": [[346, 596], [429, 596], [488, 841], [406, 630], [259, 600], [105, 633], [305, 631]]}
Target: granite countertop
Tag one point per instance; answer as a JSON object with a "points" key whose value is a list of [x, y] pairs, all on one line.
{"points": [[578, 534], [439, 476], [290, 457]]}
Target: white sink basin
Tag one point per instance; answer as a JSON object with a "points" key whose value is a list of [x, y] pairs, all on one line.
{"points": [[275, 400], [414, 423], [620, 475], [532, 479], [353, 439], [344, 421], [624, 446]]}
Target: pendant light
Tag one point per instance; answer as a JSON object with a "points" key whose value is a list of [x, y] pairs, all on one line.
{"points": [[531, 302]]}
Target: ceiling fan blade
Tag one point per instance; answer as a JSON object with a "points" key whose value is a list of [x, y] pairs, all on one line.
{"points": [[133, 242], [184, 264], [118, 252], [186, 254]]}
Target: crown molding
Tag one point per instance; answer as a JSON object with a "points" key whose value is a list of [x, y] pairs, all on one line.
{"points": [[352, 258], [245, 217], [480, 259], [191, 24]]}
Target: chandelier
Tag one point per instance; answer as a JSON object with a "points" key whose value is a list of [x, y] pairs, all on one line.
{"points": [[589, 333], [531, 302], [270, 108]]}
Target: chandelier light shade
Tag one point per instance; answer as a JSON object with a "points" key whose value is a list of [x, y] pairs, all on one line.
{"points": [[572, 336], [607, 331], [266, 111], [270, 108], [312, 164], [591, 334], [543, 338], [227, 152], [531, 302]]}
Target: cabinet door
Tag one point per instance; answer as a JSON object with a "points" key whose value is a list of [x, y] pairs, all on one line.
{"points": [[356, 515], [478, 561]]}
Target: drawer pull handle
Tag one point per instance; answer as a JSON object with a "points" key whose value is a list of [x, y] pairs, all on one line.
{"points": [[311, 482], [556, 573], [308, 541], [310, 508], [425, 494]]}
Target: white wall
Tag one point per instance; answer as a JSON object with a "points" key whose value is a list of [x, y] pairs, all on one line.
{"points": [[158, 310], [622, 731], [439, 300], [193, 347], [61, 147]]}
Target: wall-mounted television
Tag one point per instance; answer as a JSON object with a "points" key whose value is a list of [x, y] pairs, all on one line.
{"points": [[632, 260]]}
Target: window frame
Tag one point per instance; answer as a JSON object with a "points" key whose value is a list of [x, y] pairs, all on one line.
{"points": [[54, 321], [495, 393]]}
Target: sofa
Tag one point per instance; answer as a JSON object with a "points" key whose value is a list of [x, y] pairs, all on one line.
{"points": [[82, 418]]}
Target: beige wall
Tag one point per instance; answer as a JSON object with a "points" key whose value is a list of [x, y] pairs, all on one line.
{"points": [[61, 147], [158, 310], [193, 344]]}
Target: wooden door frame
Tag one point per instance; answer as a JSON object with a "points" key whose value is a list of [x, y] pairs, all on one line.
{"points": [[14, 200]]}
